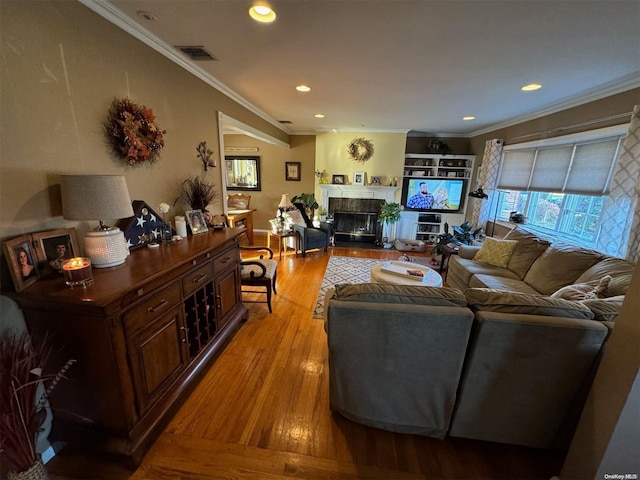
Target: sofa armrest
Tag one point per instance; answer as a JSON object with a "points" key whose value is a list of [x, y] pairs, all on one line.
{"points": [[468, 251]]}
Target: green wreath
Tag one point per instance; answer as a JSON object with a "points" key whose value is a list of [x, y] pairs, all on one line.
{"points": [[360, 150]]}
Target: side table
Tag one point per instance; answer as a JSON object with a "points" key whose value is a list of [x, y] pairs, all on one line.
{"points": [[447, 251], [282, 243]]}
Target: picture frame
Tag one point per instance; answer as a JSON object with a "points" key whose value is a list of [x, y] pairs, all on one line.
{"points": [[292, 171], [358, 178], [376, 181], [337, 179], [19, 252], [54, 247], [197, 222]]}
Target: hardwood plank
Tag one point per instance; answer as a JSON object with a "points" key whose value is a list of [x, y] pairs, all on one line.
{"points": [[262, 411]]}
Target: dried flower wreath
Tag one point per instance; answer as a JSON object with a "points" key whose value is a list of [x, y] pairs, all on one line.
{"points": [[132, 132], [360, 150]]}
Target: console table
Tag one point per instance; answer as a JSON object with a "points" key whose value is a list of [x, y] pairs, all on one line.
{"points": [[142, 335], [239, 218]]}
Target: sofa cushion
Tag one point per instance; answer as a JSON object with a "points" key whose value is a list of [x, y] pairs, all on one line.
{"points": [[461, 270], [496, 252], [501, 283], [530, 247], [559, 265], [388, 293], [583, 291], [510, 302], [620, 270], [605, 309]]}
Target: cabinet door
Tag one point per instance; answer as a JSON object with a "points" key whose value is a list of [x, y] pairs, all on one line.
{"points": [[157, 357], [227, 286], [407, 225]]}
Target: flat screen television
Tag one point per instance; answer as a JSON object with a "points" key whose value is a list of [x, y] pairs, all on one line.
{"points": [[443, 194]]}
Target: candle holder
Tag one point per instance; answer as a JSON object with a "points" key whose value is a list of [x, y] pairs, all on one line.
{"points": [[77, 271]]}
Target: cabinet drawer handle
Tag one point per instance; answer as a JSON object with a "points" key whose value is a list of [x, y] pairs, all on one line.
{"points": [[160, 305], [226, 260], [200, 278]]}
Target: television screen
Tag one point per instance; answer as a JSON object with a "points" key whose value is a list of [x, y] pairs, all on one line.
{"points": [[434, 195]]}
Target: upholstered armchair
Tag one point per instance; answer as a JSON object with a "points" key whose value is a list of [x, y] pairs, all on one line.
{"points": [[310, 236]]}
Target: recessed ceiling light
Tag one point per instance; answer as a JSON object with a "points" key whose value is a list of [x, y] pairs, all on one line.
{"points": [[469, 117], [262, 12], [147, 15], [303, 88], [531, 87], [319, 115]]}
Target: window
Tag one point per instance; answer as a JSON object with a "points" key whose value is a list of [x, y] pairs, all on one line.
{"points": [[560, 185]]}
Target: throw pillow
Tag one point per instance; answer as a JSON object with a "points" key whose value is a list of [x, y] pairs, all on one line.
{"points": [[530, 247], [496, 252], [584, 291], [296, 217], [524, 303]]}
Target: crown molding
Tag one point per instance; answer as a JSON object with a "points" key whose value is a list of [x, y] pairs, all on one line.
{"points": [[112, 14], [627, 83]]}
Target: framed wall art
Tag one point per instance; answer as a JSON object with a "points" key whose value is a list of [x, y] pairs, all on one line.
{"points": [[292, 171], [23, 261], [358, 178], [337, 179], [54, 247], [196, 221]]}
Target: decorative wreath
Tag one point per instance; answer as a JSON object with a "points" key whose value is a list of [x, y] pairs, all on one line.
{"points": [[132, 132], [360, 150]]}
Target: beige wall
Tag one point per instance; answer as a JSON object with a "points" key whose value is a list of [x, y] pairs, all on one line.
{"points": [[62, 66], [387, 160], [272, 173]]}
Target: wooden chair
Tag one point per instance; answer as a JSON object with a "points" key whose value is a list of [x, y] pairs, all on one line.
{"points": [[238, 201], [258, 271]]}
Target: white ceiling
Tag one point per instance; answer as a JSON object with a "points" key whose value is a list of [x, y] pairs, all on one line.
{"points": [[399, 65]]}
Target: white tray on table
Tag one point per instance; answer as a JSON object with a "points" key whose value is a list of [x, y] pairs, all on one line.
{"points": [[402, 269]]}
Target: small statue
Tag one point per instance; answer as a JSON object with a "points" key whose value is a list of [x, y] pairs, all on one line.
{"points": [[204, 154]]}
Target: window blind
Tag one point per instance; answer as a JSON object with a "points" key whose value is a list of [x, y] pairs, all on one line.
{"points": [[580, 168]]}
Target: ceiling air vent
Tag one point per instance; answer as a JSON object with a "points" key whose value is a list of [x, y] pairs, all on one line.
{"points": [[196, 52], [285, 122]]}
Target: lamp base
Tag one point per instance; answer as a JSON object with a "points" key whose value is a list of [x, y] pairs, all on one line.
{"points": [[106, 248]]}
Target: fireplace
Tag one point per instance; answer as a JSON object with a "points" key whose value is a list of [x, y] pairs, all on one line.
{"points": [[355, 210]]}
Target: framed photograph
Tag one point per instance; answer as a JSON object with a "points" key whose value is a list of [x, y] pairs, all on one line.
{"points": [[337, 179], [376, 181], [54, 247], [358, 178], [22, 261], [292, 171], [196, 221]]}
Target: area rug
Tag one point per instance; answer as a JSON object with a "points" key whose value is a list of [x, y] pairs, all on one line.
{"points": [[343, 270]]}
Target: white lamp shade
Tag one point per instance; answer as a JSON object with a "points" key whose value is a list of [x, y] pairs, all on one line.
{"points": [[95, 197]]}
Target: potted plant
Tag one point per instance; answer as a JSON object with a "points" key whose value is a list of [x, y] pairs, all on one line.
{"points": [[22, 404], [308, 201], [462, 234], [389, 215], [198, 194]]}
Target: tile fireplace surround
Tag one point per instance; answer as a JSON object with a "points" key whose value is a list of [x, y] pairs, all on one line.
{"points": [[356, 191]]}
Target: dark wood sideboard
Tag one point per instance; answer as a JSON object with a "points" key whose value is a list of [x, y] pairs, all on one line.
{"points": [[143, 334]]}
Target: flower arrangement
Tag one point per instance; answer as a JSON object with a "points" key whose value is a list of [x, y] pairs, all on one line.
{"points": [[132, 132], [22, 413], [197, 193]]}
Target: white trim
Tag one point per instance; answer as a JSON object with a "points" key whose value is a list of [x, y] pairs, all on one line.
{"points": [[573, 138], [119, 19], [225, 121]]}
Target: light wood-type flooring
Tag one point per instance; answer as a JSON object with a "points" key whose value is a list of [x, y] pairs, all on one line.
{"points": [[262, 412]]}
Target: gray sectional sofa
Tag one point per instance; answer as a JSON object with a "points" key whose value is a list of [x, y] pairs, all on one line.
{"points": [[495, 356]]}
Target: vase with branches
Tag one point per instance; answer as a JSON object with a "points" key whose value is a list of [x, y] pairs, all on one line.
{"points": [[22, 404], [198, 194]]}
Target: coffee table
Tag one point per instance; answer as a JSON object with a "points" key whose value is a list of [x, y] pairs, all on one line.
{"points": [[395, 271]]}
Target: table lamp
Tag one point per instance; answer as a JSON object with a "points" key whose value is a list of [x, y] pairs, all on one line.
{"points": [[98, 197], [285, 204]]}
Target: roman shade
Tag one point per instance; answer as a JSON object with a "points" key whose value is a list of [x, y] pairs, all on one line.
{"points": [[582, 168]]}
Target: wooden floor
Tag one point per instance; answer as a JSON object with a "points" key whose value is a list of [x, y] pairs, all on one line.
{"points": [[262, 412]]}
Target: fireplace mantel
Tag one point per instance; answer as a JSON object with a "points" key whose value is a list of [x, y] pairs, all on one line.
{"points": [[356, 191]]}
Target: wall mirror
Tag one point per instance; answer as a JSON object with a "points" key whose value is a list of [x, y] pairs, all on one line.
{"points": [[243, 172]]}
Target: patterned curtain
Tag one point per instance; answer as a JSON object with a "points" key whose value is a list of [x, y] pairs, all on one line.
{"points": [[621, 211], [488, 181]]}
